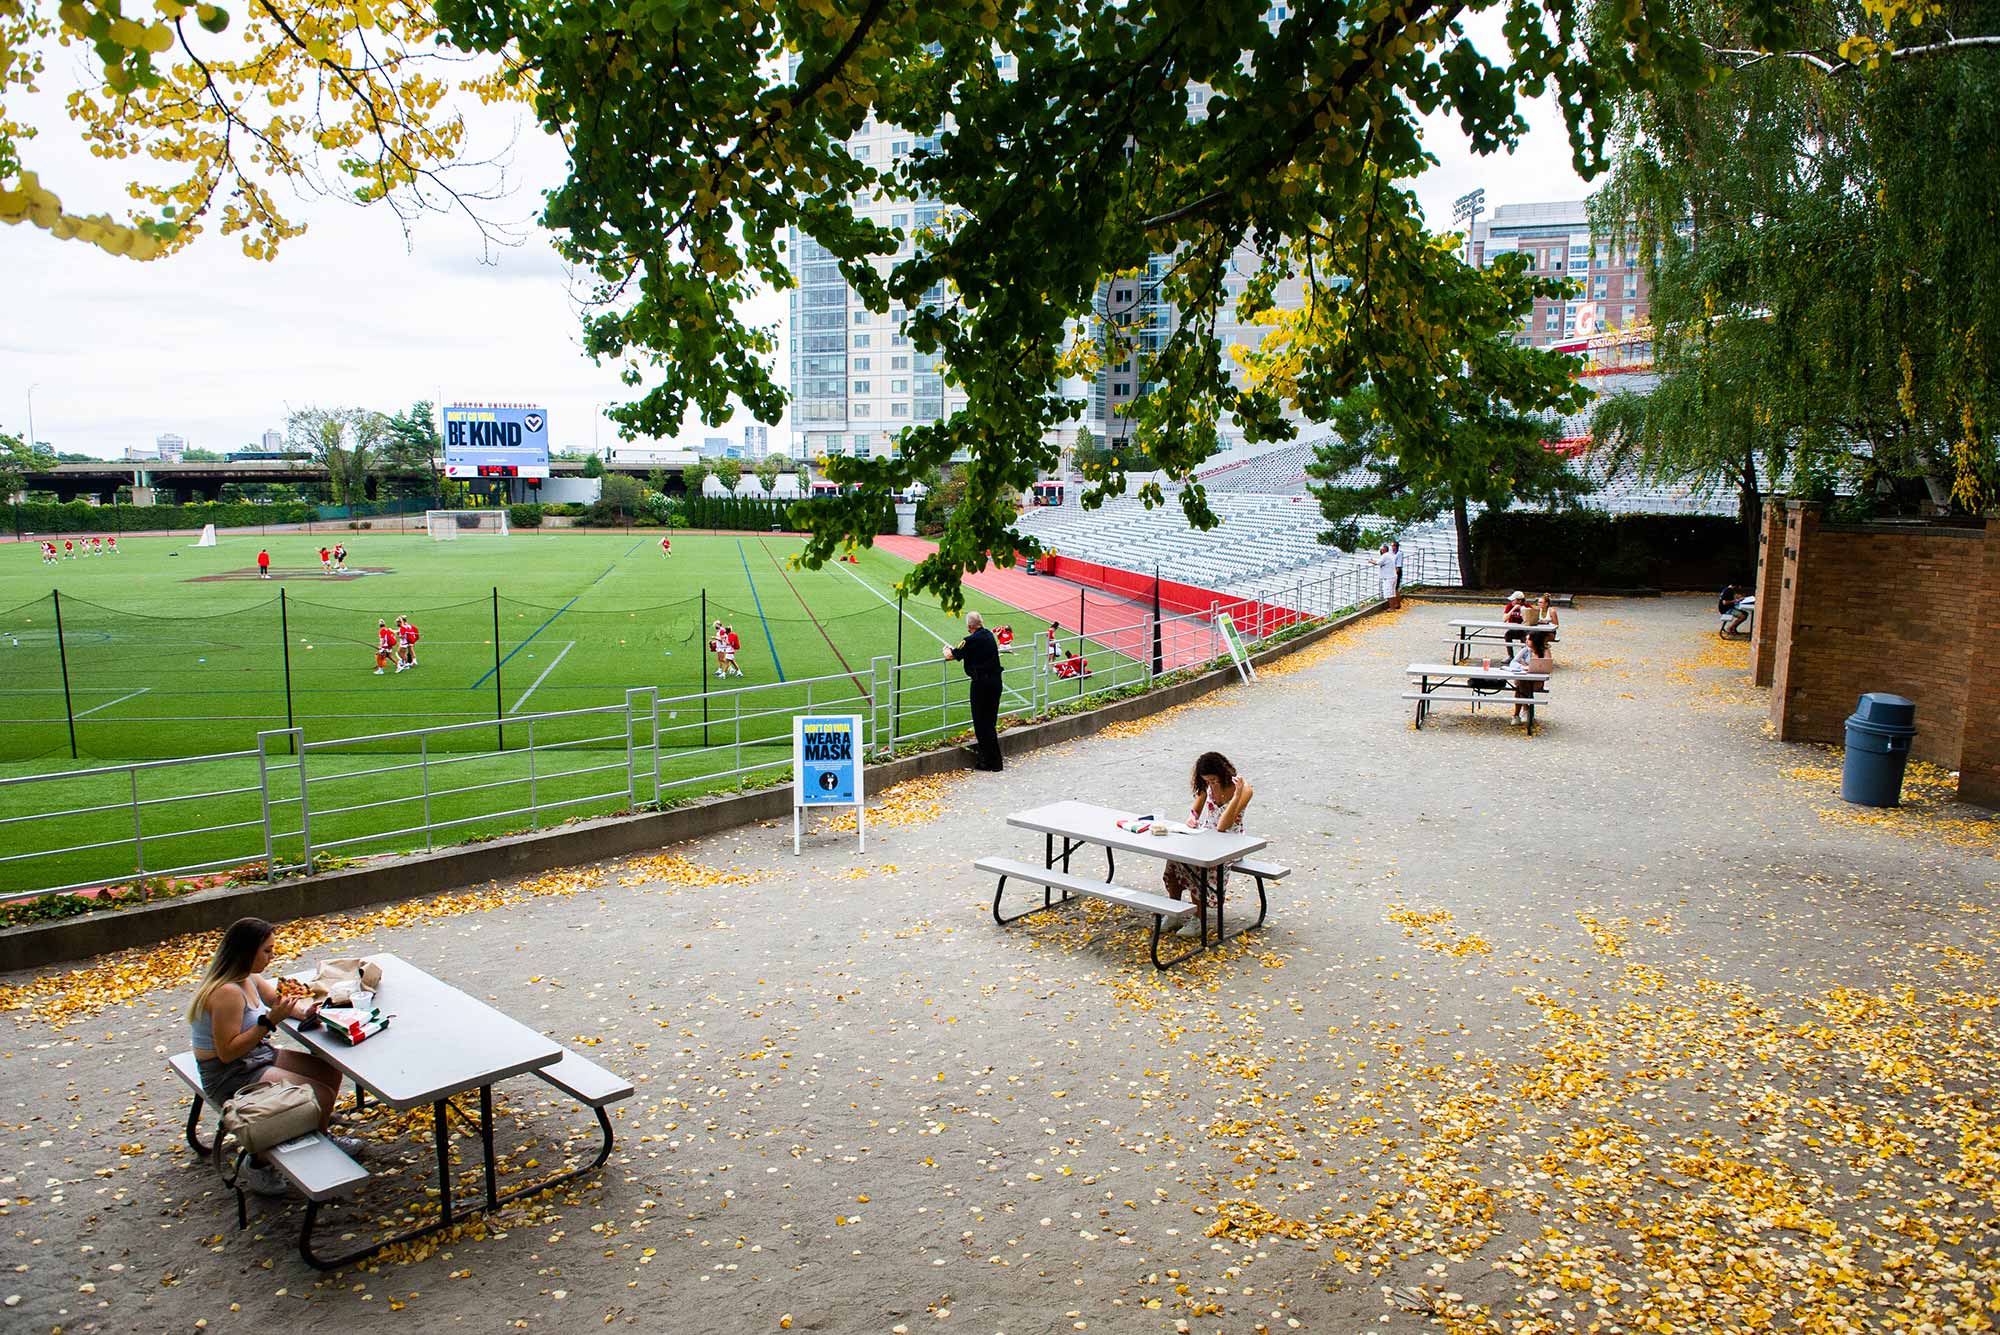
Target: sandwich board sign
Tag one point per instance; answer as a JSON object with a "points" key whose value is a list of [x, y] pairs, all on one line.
{"points": [[826, 769], [1239, 652]]}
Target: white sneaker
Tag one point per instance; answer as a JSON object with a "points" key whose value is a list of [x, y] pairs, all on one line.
{"points": [[353, 1145], [1190, 929], [1516, 721], [378, 672]]}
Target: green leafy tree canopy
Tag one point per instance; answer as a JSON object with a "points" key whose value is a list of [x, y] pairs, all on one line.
{"points": [[1117, 133]]}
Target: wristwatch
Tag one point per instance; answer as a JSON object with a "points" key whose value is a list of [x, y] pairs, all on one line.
{"points": [[266, 1023]]}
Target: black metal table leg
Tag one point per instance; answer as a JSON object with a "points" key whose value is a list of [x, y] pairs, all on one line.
{"points": [[194, 1128], [441, 1133], [486, 1142], [1046, 904], [445, 1219]]}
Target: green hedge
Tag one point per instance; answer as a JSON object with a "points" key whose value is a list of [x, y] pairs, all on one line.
{"points": [[524, 516], [1588, 549], [740, 512], [76, 517]]}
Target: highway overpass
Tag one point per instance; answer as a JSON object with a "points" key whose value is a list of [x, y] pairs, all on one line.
{"points": [[204, 481]]}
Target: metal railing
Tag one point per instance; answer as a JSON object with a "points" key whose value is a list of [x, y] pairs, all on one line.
{"points": [[292, 802]]}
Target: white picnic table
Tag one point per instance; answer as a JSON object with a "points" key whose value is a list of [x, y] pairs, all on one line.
{"points": [[1211, 853], [1469, 631], [1466, 683], [441, 1042]]}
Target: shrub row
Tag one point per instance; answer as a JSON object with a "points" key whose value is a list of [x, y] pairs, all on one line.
{"points": [[77, 517], [1588, 549]]}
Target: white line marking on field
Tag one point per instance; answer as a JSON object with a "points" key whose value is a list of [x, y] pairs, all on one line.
{"points": [[567, 646], [115, 702], [842, 567], [108, 703]]}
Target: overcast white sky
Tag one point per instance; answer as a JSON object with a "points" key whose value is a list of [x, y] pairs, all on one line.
{"points": [[217, 347]]}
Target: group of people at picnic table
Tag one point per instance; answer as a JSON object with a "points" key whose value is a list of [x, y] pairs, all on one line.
{"points": [[1531, 649]]}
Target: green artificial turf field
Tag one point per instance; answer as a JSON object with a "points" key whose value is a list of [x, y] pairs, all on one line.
{"points": [[176, 651]]}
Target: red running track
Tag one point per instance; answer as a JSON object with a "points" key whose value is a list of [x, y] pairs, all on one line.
{"points": [[1116, 623]]}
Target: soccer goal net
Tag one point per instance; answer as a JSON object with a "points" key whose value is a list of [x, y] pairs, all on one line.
{"points": [[207, 538], [446, 525]]}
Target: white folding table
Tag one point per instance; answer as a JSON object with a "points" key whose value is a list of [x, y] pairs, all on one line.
{"points": [[440, 1042], [1209, 852], [1471, 631]]}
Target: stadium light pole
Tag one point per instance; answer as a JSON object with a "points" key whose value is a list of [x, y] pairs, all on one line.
{"points": [[31, 416], [1466, 209]]}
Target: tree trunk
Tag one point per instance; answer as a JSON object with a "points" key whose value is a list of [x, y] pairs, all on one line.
{"points": [[1750, 511], [1464, 526]]}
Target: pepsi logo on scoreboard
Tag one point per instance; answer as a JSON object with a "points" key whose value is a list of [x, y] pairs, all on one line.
{"points": [[491, 440]]}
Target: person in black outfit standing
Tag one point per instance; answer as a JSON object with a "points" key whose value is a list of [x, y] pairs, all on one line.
{"points": [[981, 656]]}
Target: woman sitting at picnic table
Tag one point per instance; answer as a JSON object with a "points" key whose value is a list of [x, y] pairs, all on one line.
{"points": [[1532, 657], [1220, 796], [233, 1014]]}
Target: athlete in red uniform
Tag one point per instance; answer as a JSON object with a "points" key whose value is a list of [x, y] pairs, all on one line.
{"points": [[666, 546], [111, 546], [385, 646], [69, 550], [406, 643], [325, 561], [263, 565], [48, 553]]}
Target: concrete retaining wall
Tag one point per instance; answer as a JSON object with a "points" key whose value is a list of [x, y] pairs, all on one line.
{"points": [[35, 945]]}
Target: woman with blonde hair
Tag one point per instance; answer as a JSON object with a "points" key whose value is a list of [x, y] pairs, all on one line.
{"points": [[234, 1011]]}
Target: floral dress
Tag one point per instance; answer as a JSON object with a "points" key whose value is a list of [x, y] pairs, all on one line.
{"points": [[1183, 881]]}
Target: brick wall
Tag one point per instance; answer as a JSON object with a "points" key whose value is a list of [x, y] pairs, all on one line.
{"points": [[1770, 582], [1878, 608], [1979, 766]]}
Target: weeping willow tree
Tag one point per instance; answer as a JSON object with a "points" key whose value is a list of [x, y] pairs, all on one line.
{"points": [[1818, 220]]}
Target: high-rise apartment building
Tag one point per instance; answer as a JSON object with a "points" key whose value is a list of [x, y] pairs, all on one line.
{"points": [[1610, 282], [856, 381], [171, 447], [756, 440], [274, 441]]}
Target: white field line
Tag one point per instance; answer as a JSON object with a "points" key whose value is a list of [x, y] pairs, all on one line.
{"points": [[567, 646], [843, 568], [119, 701]]}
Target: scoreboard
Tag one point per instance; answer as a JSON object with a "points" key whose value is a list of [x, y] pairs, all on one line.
{"points": [[495, 440]]}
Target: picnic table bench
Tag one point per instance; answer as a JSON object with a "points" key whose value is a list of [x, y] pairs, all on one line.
{"points": [[1468, 683], [441, 1043], [1212, 853], [1470, 633]]}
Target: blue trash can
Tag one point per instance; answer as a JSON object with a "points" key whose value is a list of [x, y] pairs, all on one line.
{"points": [[1878, 747]]}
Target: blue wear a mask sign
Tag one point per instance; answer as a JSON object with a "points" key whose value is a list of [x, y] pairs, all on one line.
{"points": [[826, 767]]}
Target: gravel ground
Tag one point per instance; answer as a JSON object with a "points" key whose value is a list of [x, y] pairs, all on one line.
{"points": [[1628, 1025]]}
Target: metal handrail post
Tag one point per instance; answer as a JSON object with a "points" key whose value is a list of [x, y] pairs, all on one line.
{"points": [[424, 759], [882, 699], [737, 699], [138, 830], [264, 794], [298, 736], [534, 799]]}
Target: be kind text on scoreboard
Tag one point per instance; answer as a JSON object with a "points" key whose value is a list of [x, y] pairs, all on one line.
{"points": [[495, 440]]}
